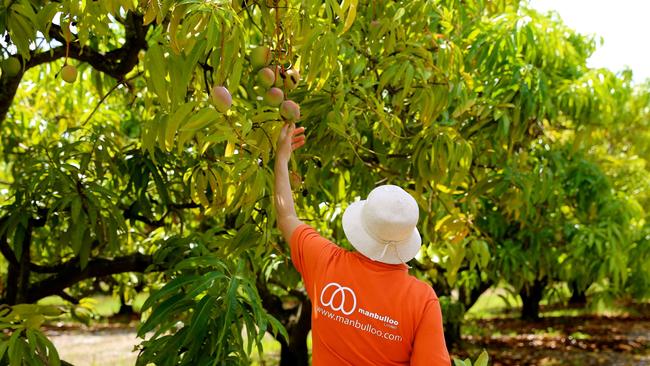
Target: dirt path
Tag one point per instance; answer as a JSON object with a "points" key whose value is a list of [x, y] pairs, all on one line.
{"points": [[567, 341], [98, 347], [561, 341]]}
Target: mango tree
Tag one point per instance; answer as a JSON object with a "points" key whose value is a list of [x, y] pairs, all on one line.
{"points": [[139, 137]]}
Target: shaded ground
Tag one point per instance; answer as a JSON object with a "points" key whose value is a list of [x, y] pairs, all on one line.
{"points": [[584, 340], [563, 340]]}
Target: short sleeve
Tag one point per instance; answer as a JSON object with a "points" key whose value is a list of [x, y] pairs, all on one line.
{"points": [[309, 250], [429, 347]]}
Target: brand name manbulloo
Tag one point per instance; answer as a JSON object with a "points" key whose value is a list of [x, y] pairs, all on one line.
{"points": [[343, 299]]}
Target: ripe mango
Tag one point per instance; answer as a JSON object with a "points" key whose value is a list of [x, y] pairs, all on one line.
{"points": [[290, 110], [221, 98]]}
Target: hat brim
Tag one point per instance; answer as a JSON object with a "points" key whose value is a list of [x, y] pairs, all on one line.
{"points": [[371, 248]]}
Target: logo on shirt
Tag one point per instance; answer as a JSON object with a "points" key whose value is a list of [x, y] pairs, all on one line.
{"points": [[339, 298]]}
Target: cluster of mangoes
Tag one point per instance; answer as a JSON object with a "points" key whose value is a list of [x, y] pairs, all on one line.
{"points": [[275, 80]]}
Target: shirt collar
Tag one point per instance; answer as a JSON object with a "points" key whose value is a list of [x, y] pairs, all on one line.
{"points": [[380, 265]]}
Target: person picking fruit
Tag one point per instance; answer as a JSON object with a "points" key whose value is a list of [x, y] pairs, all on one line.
{"points": [[367, 309]]}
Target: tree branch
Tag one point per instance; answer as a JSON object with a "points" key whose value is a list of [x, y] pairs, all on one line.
{"points": [[65, 296], [70, 273], [115, 63], [5, 249], [131, 213], [58, 267]]}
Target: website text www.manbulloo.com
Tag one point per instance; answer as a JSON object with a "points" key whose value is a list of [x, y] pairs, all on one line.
{"points": [[359, 325]]}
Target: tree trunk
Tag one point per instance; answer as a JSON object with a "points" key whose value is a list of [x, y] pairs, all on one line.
{"points": [[578, 296], [295, 353], [23, 269], [125, 309], [531, 296], [453, 314], [8, 89], [11, 291], [18, 271], [296, 320]]}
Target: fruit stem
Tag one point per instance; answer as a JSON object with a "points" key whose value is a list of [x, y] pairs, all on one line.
{"points": [[67, 44], [277, 49], [220, 80]]}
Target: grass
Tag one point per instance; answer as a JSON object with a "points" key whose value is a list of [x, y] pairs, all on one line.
{"points": [[101, 306], [494, 303], [500, 302], [271, 354]]}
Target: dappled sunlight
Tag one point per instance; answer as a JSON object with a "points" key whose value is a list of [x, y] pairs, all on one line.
{"points": [[147, 187]]}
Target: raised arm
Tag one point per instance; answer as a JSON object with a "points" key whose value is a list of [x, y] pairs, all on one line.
{"points": [[291, 138]]}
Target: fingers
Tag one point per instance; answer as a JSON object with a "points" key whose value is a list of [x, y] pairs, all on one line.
{"points": [[297, 139], [297, 142], [298, 130], [297, 136], [297, 145]]}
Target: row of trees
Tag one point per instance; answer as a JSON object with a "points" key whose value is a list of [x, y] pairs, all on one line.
{"points": [[529, 167]]}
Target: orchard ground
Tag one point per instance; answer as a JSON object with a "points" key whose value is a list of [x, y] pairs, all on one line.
{"points": [[616, 336]]}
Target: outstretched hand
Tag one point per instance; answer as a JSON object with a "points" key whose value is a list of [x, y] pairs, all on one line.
{"points": [[291, 138]]}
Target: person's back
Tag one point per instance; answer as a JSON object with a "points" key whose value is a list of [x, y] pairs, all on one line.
{"points": [[366, 308], [366, 312]]}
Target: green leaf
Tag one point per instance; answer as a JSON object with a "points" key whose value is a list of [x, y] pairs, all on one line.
{"points": [[399, 14], [199, 322], [15, 348], [52, 353], [176, 119], [459, 362], [26, 10], [170, 288], [386, 77], [278, 327], [408, 80], [155, 62], [3, 348], [31, 340], [77, 236], [200, 119], [231, 305], [22, 33], [352, 14], [482, 359], [75, 209], [235, 74], [160, 317], [204, 261], [161, 187], [205, 283]]}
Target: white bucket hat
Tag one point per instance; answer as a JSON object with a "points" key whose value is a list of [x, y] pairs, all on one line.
{"points": [[383, 226]]}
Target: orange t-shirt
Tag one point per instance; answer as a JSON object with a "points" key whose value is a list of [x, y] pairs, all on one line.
{"points": [[366, 312]]}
